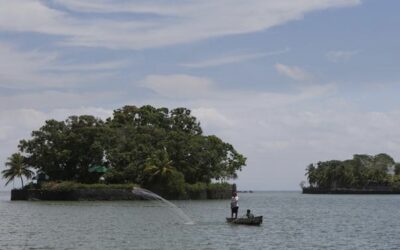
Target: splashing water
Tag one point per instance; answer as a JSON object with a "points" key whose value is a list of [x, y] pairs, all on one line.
{"points": [[148, 195]]}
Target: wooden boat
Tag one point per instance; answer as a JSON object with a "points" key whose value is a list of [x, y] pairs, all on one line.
{"points": [[256, 221]]}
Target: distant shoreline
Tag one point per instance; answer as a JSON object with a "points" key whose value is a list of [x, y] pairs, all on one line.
{"points": [[245, 191], [378, 190]]}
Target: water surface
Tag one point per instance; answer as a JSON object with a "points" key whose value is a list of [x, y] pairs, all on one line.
{"points": [[291, 221]]}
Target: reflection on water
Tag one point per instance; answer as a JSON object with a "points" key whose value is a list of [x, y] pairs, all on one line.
{"points": [[291, 221]]}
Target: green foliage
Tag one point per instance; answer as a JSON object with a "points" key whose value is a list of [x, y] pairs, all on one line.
{"points": [[161, 177], [65, 150], [201, 186], [17, 167], [360, 172], [219, 186], [397, 169], [70, 185], [144, 145], [201, 190], [175, 185], [158, 167], [395, 182], [31, 185], [113, 176], [196, 187], [140, 134]]}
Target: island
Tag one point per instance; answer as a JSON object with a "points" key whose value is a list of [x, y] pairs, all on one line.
{"points": [[86, 158], [363, 174]]}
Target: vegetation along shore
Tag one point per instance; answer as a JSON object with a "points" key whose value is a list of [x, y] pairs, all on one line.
{"points": [[159, 149], [364, 174]]}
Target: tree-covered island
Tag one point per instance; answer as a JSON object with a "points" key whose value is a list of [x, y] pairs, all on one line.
{"points": [[155, 148], [362, 174]]}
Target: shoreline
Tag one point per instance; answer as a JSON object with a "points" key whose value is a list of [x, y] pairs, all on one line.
{"points": [[350, 191]]}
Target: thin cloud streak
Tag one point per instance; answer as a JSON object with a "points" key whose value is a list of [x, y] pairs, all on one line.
{"points": [[143, 7], [341, 55], [230, 59], [293, 72], [38, 69], [178, 85], [45, 100], [100, 66]]}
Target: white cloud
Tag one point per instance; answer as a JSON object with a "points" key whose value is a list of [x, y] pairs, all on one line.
{"points": [[33, 69], [293, 72], [178, 85], [212, 119], [63, 113], [18, 123], [48, 100], [286, 140], [174, 22], [341, 55], [229, 59], [17, 67], [45, 100]]}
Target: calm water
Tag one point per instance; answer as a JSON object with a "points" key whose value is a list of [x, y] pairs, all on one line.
{"points": [[291, 221]]}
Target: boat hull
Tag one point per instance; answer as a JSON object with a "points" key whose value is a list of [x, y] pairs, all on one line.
{"points": [[256, 221]]}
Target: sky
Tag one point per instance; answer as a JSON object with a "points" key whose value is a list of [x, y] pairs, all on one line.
{"points": [[287, 83]]}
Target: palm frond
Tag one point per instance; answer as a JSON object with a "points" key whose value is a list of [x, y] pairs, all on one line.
{"points": [[16, 168]]}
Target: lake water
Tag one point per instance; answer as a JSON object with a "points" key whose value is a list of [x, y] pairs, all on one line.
{"points": [[291, 221]]}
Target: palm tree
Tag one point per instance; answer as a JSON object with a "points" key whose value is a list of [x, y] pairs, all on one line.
{"points": [[311, 175], [159, 166], [17, 168], [161, 177]]}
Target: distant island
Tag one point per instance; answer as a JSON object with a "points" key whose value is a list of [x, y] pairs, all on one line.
{"points": [[159, 149], [364, 174]]}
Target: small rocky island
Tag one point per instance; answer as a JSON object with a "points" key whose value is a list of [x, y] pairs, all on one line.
{"points": [[86, 158], [364, 174]]}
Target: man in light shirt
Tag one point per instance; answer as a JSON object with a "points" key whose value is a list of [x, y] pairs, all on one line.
{"points": [[234, 205]]}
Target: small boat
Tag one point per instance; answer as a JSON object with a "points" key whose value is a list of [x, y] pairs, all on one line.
{"points": [[256, 221]]}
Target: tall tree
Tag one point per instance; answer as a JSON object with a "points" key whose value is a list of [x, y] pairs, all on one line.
{"points": [[311, 174], [47, 150], [65, 150], [16, 168]]}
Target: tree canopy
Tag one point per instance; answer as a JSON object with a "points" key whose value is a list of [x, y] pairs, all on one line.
{"points": [[359, 172], [136, 144]]}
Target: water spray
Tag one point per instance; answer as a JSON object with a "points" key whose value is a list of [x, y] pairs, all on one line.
{"points": [[148, 195]]}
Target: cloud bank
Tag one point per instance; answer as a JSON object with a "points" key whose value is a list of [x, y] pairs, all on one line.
{"points": [[151, 23]]}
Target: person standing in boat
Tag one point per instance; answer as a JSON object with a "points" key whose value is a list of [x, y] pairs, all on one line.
{"points": [[234, 205]]}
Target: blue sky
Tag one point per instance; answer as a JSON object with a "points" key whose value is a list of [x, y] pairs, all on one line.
{"points": [[286, 82]]}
